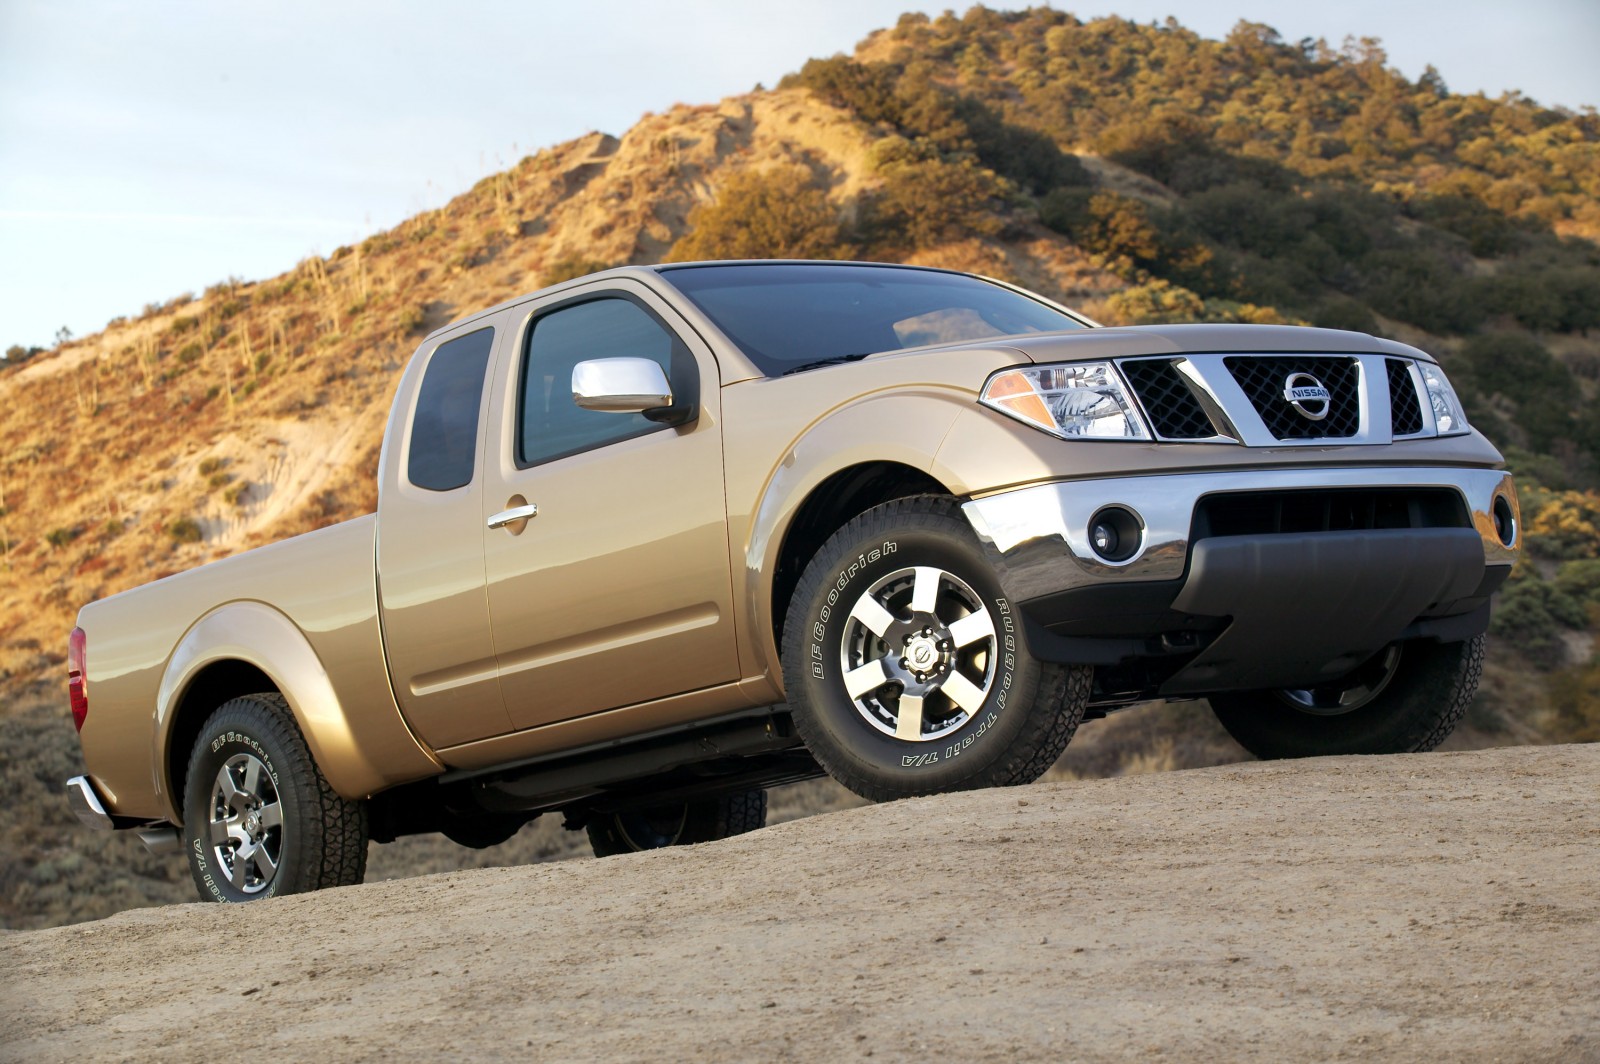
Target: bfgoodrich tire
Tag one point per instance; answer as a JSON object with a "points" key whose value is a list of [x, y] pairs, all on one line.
{"points": [[677, 824], [259, 818], [1408, 698], [906, 667]]}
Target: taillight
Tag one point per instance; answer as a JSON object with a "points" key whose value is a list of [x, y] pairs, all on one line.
{"points": [[77, 677]]}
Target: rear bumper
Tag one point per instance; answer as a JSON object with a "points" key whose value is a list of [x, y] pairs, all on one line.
{"points": [[1243, 611], [86, 804], [158, 837]]}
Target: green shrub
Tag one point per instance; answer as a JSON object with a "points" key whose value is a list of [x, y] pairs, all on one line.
{"points": [[1341, 313], [60, 537], [1154, 302], [928, 202], [185, 530], [410, 319], [1530, 615], [569, 267], [760, 214]]}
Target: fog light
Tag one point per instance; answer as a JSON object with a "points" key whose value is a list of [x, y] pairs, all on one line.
{"points": [[1115, 533], [1104, 538], [1505, 522]]}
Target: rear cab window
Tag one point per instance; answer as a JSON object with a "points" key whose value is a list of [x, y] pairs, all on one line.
{"points": [[444, 428]]}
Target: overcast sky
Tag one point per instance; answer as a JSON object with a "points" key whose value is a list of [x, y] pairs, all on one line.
{"points": [[150, 147]]}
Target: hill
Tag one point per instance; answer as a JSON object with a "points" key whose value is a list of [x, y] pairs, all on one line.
{"points": [[1421, 907], [1140, 172]]}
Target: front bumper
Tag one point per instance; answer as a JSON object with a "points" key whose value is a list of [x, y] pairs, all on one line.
{"points": [[1240, 611]]}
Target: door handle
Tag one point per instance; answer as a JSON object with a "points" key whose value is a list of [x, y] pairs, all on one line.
{"points": [[516, 513]]}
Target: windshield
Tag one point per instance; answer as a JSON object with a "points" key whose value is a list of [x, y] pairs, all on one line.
{"points": [[789, 316]]}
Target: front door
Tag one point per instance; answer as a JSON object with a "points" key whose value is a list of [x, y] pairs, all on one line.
{"points": [[618, 591]]}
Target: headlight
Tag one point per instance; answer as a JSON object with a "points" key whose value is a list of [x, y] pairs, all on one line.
{"points": [[1073, 401], [1447, 414]]}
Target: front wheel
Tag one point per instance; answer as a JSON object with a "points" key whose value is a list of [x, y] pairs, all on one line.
{"points": [[677, 824], [259, 818], [906, 667], [1407, 698]]}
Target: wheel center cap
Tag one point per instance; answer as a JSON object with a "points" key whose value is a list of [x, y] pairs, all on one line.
{"points": [[922, 653], [252, 825]]}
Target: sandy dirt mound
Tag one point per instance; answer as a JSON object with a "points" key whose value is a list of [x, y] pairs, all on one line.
{"points": [[1426, 907]]}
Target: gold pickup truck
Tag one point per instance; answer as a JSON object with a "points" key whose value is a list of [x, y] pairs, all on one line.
{"points": [[653, 540]]}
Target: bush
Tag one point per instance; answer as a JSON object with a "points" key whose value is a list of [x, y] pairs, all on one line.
{"points": [[1563, 525], [1421, 288], [1575, 697], [1530, 615], [1152, 303], [565, 269], [1339, 313], [185, 530], [928, 202], [1115, 227], [770, 214], [410, 319]]}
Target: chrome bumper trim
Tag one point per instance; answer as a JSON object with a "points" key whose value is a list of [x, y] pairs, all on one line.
{"points": [[86, 804], [1038, 536]]}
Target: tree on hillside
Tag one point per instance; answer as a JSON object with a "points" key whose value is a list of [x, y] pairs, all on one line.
{"points": [[764, 214]]}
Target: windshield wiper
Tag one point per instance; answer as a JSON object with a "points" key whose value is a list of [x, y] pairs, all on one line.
{"points": [[834, 361]]}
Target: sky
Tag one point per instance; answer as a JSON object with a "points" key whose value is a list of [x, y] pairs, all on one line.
{"points": [[154, 147]]}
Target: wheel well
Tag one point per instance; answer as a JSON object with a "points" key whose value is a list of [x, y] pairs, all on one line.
{"points": [[216, 684], [830, 506]]}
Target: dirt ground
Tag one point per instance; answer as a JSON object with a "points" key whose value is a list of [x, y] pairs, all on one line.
{"points": [[1423, 907]]}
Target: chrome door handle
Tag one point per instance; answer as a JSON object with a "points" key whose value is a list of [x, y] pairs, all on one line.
{"points": [[516, 513]]}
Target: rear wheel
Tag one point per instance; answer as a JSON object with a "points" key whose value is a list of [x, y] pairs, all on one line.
{"points": [[677, 824], [907, 669], [259, 818], [1408, 697]]}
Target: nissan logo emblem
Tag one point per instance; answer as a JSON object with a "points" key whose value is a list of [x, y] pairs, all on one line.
{"points": [[1307, 395]]}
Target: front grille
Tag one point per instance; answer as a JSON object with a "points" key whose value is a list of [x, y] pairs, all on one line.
{"points": [[1262, 379], [1405, 408], [1174, 411], [1330, 510]]}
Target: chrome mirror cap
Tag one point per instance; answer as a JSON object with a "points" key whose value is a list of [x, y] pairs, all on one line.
{"points": [[620, 385]]}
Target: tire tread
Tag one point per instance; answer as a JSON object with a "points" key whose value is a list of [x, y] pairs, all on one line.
{"points": [[1062, 690]]}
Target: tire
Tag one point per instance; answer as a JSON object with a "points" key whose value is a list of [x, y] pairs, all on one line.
{"points": [[681, 824], [1408, 698], [254, 789], [901, 604]]}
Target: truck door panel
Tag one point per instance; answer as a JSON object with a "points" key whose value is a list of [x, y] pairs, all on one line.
{"points": [[618, 590]]}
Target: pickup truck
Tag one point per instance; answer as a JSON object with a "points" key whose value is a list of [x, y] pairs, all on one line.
{"points": [[654, 540]]}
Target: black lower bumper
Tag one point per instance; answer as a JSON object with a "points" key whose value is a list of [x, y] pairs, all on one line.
{"points": [[1277, 610]]}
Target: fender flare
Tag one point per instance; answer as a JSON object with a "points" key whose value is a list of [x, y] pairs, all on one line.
{"points": [[258, 635], [850, 435]]}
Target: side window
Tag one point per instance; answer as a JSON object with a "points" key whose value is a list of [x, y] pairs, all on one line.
{"points": [[444, 431], [553, 426]]}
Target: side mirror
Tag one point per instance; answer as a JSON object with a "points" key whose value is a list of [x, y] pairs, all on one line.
{"points": [[620, 385]]}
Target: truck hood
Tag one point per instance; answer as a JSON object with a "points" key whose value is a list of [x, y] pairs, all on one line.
{"points": [[1199, 339]]}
